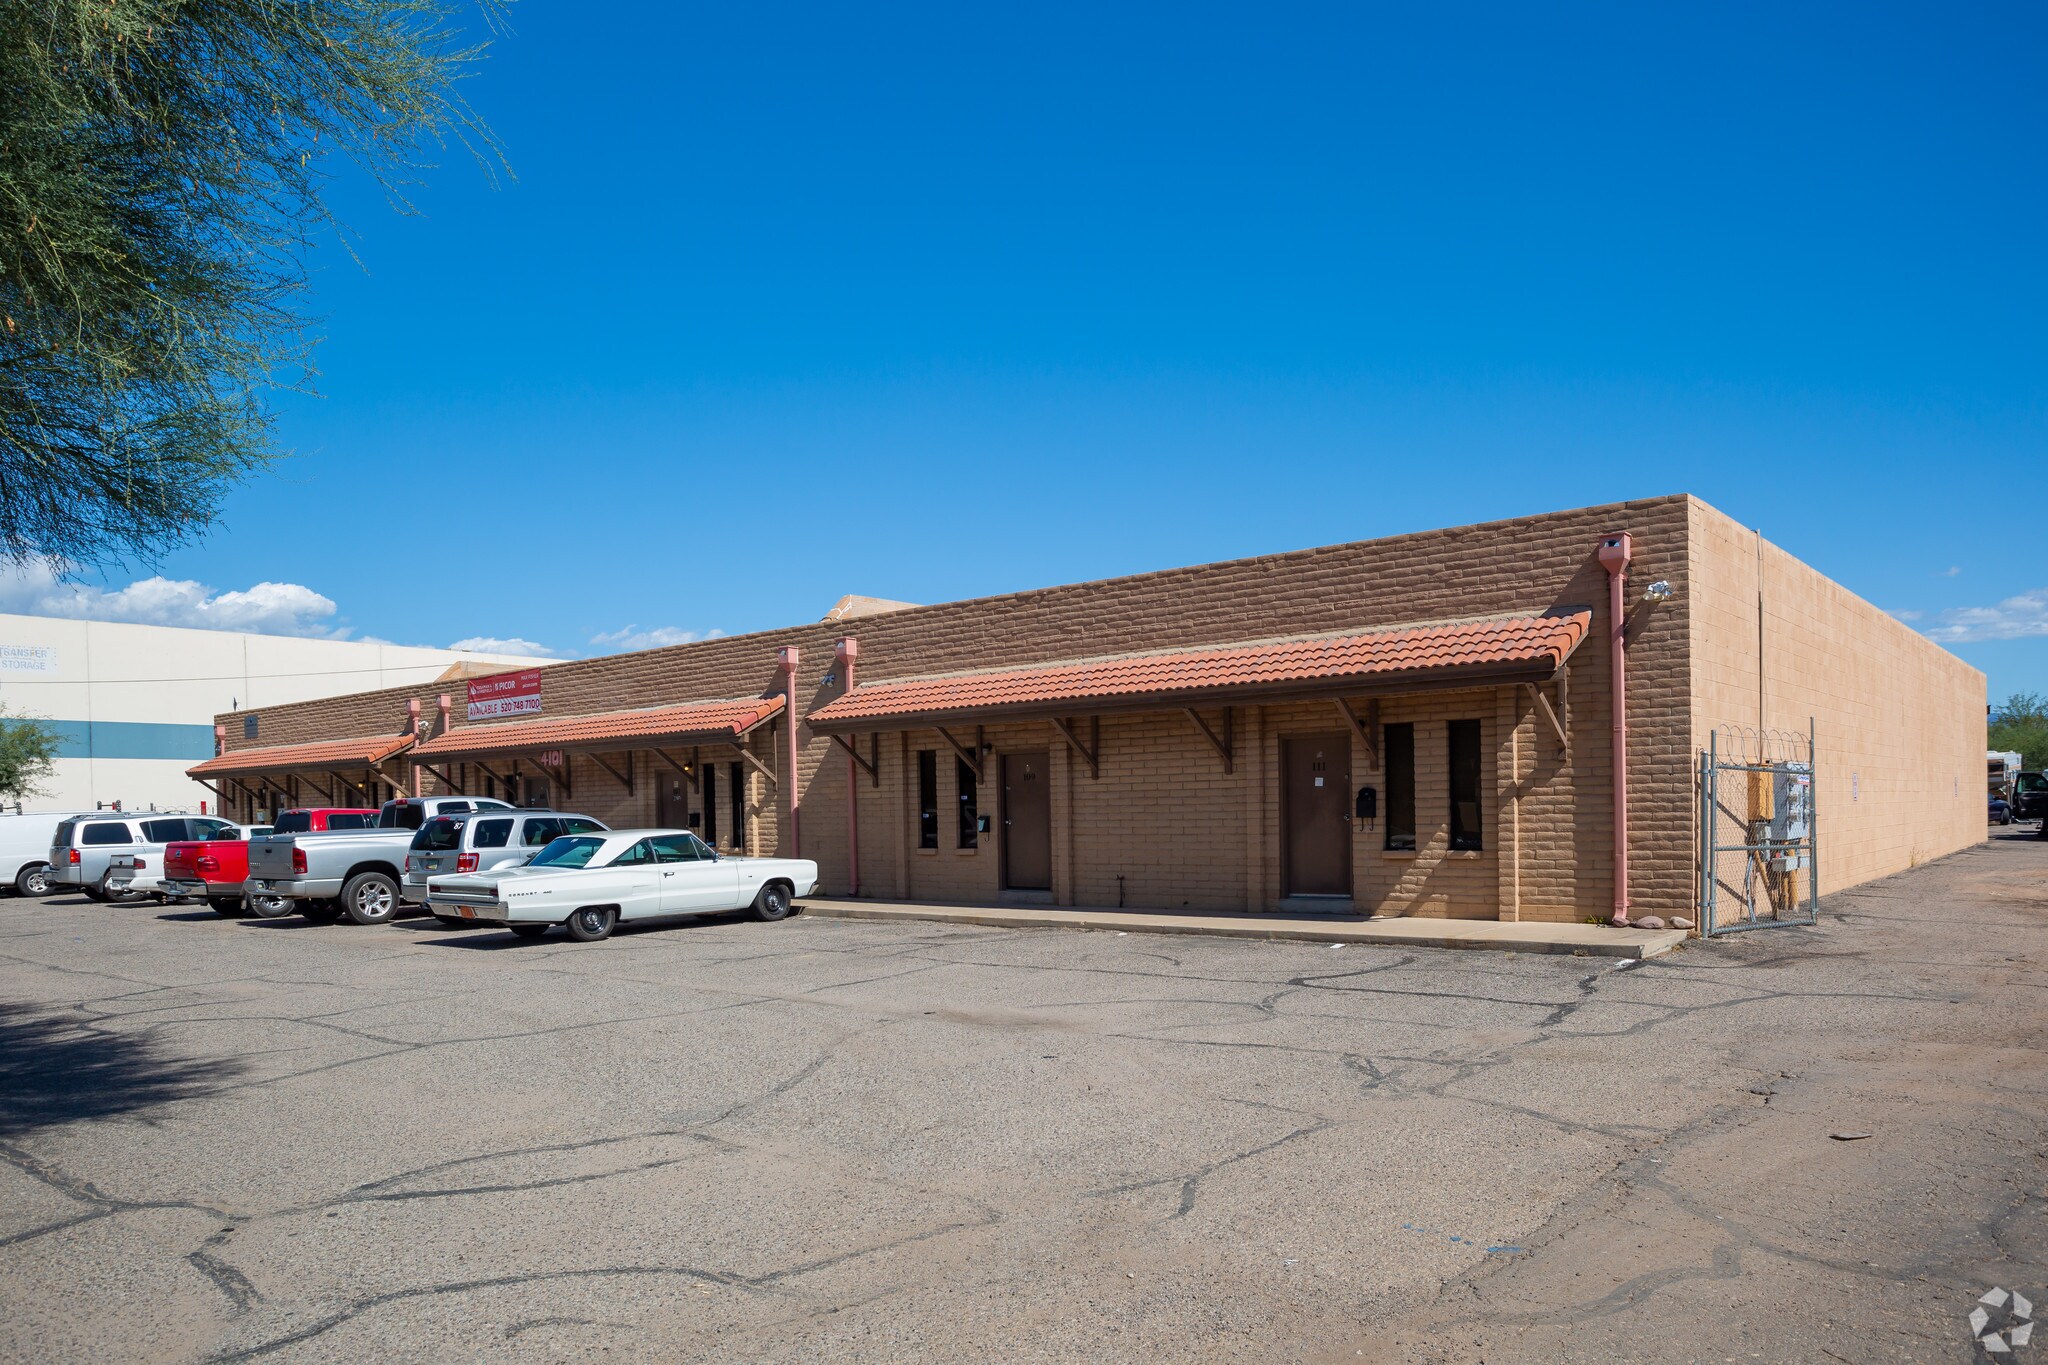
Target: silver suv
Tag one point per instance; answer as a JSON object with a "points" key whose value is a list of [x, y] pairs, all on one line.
{"points": [[82, 851], [483, 840]]}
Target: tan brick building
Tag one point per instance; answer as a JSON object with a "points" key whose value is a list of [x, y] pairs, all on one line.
{"points": [[1203, 737]]}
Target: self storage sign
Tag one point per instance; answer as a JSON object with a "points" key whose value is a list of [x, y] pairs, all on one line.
{"points": [[505, 694]]}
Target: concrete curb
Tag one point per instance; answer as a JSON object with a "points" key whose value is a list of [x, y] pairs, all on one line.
{"points": [[1587, 940]]}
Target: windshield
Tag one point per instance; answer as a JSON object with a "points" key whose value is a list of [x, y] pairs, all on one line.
{"points": [[568, 851], [2031, 782]]}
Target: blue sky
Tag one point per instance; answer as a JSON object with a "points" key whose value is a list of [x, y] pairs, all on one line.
{"points": [[789, 301]]}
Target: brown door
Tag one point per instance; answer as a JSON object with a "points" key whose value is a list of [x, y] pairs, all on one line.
{"points": [[1027, 822], [1315, 798], [672, 802]]}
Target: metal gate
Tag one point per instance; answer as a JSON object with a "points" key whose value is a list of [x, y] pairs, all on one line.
{"points": [[1758, 859]]}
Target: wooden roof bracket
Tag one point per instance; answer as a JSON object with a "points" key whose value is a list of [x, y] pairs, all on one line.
{"points": [[1366, 727], [758, 766], [210, 787], [343, 784], [1091, 752], [872, 766], [1543, 708], [683, 768], [1222, 745], [625, 779], [972, 760]]}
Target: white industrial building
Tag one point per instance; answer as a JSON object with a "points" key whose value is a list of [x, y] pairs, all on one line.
{"points": [[135, 704]]}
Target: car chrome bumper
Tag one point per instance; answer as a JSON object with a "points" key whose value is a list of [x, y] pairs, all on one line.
{"points": [[495, 913]]}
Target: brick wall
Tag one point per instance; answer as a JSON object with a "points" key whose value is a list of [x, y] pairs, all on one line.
{"points": [[1899, 721], [1163, 814]]}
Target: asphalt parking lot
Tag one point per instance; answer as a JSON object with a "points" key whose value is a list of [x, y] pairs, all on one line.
{"points": [[840, 1140]]}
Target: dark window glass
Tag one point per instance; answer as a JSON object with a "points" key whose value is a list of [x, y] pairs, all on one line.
{"points": [[970, 807], [64, 833], [248, 727], [736, 785], [453, 808], [927, 798], [163, 831], [402, 815], [106, 832], [352, 820], [544, 831], [213, 829], [299, 822], [1465, 784], [438, 835], [493, 834], [710, 803], [1400, 748], [577, 824], [636, 856]]}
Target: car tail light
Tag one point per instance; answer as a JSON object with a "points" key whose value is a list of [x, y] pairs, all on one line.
{"points": [[412, 864], [465, 862], [74, 857], [207, 864], [141, 864], [299, 860]]}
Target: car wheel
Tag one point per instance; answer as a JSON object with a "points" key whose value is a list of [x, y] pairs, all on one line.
{"points": [[773, 903], [370, 898], [593, 923], [530, 930], [92, 893], [227, 907], [320, 912], [269, 907], [35, 881]]}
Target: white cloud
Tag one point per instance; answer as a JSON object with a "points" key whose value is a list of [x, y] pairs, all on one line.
{"points": [[1908, 615], [632, 638], [266, 608], [1951, 571], [2013, 619], [490, 644]]}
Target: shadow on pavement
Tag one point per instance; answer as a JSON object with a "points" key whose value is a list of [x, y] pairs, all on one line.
{"points": [[54, 1070], [486, 937], [189, 916]]}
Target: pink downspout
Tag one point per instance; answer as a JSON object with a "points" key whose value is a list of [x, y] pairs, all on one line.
{"points": [[786, 657], [1614, 557], [848, 650]]}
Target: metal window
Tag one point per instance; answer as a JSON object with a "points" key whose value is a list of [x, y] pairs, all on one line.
{"points": [[927, 798], [711, 803], [736, 786], [1400, 751], [1465, 768], [970, 805]]}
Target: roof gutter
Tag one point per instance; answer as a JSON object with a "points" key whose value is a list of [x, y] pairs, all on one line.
{"points": [[785, 659], [1614, 557], [848, 650]]}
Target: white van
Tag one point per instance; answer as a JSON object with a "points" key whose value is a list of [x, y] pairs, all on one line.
{"points": [[25, 850]]}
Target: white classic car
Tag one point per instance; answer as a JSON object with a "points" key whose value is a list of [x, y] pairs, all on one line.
{"points": [[590, 882]]}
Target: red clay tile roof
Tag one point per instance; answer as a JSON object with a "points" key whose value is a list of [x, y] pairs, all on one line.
{"points": [[1507, 648], [703, 722], [327, 753]]}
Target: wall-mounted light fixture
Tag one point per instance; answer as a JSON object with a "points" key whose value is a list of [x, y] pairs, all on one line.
{"points": [[1660, 591]]}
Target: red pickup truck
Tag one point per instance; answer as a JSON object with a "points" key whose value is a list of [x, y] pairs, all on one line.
{"points": [[217, 868]]}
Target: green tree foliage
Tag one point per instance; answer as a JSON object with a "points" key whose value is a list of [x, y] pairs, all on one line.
{"points": [[162, 164], [2021, 725], [28, 754]]}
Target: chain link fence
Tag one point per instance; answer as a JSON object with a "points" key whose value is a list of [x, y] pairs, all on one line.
{"points": [[1758, 858]]}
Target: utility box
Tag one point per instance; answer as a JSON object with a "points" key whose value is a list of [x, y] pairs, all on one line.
{"points": [[1791, 816]]}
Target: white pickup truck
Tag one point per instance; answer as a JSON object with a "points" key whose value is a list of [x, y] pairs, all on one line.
{"points": [[352, 871], [589, 883]]}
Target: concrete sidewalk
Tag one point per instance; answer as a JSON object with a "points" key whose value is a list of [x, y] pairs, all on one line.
{"points": [[1592, 940]]}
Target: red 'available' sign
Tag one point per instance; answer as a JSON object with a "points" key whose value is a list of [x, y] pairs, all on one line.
{"points": [[505, 694]]}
